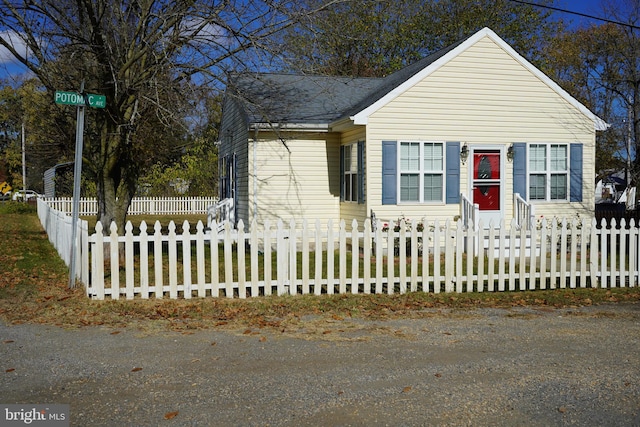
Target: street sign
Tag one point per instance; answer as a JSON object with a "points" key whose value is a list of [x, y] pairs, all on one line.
{"points": [[4, 188], [74, 98]]}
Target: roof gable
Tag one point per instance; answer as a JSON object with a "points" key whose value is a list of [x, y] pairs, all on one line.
{"points": [[361, 116], [312, 101]]}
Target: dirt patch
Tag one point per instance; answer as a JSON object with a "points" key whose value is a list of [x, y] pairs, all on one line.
{"points": [[516, 366]]}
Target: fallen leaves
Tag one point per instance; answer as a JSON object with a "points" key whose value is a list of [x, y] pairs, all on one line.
{"points": [[136, 369], [171, 415]]}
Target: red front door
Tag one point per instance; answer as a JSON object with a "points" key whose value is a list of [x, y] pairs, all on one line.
{"points": [[486, 184]]}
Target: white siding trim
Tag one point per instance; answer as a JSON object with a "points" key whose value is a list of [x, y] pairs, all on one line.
{"points": [[362, 117]]}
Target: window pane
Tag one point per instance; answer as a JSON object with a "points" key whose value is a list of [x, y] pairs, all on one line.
{"points": [[432, 187], [558, 187], [409, 187], [558, 157], [410, 156], [347, 188], [537, 186], [347, 158], [538, 161], [433, 157]]}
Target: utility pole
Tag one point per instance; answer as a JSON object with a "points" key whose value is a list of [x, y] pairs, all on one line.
{"points": [[24, 167]]}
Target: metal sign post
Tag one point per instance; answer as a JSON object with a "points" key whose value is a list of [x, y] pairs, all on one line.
{"points": [[81, 100]]}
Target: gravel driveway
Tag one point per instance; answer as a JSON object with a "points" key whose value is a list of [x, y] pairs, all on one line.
{"points": [[487, 367]]}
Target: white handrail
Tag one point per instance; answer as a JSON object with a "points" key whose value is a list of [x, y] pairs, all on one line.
{"points": [[523, 212], [221, 213], [469, 212]]}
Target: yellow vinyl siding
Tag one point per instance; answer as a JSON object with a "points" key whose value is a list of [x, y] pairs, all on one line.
{"points": [[299, 180], [351, 210], [480, 97]]}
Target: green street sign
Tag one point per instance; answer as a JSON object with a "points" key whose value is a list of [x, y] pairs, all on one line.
{"points": [[74, 98]]}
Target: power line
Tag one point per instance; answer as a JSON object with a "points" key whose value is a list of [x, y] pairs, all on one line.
{"points": [[570, 12]]}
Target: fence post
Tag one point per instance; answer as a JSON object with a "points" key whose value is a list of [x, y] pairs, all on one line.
{"points": [[391, 252], [114, 260], [144, 261], [267, 258], [84, 260], [305, 257], [97, 280], [355, 257], [200, 265], [173, 261], [330, 257], [129, 257], [342, 262], [242, 265], [281, 256], [255, 291], [186, 259], [367, 256], [157, 259], [293, 258], [317, 281]]}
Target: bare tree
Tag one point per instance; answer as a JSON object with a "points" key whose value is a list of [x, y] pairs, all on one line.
{"points": [[600, 64], [148, 57]]}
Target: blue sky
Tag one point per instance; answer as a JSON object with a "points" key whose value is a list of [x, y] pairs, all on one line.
{"points": [[589, 7]]}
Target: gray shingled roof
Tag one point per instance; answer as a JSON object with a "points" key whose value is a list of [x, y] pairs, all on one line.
{"points": [[300, 99], [307, 99]]}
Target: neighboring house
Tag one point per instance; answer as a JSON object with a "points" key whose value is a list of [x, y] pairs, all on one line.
{"points": [[330, 148]]}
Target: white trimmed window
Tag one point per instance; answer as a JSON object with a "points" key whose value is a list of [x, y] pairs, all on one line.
{"points": [[421, 172], [350, 173], [548, 172]]}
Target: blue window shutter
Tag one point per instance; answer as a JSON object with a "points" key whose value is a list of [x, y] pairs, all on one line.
{"points": [[342, 173], [520, 169], [452, 172], [575, 172], [361, 183], [389, 172]]}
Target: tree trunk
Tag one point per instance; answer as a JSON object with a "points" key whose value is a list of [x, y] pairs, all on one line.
{"points": [[115, 183]]}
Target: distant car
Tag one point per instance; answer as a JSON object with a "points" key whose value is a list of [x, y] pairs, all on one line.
{"points": [[6, 196], [25, 195]]}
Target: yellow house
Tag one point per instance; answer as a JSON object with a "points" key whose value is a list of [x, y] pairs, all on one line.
{"points": [[474, 123]]}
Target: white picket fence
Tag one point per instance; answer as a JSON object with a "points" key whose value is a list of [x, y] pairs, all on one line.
{"points": [[58, 226], [299, 258], [140, 205], [303, 258]]}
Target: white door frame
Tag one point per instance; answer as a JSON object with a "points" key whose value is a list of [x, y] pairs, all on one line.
{"points": [[487, 216]]}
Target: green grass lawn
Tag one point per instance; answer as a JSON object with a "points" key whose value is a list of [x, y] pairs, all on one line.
{"points": [[34, 288]]}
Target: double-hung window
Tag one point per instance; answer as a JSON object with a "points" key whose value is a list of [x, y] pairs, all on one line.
{"points": [[548, 172], [421, 172], [350, 161]]}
